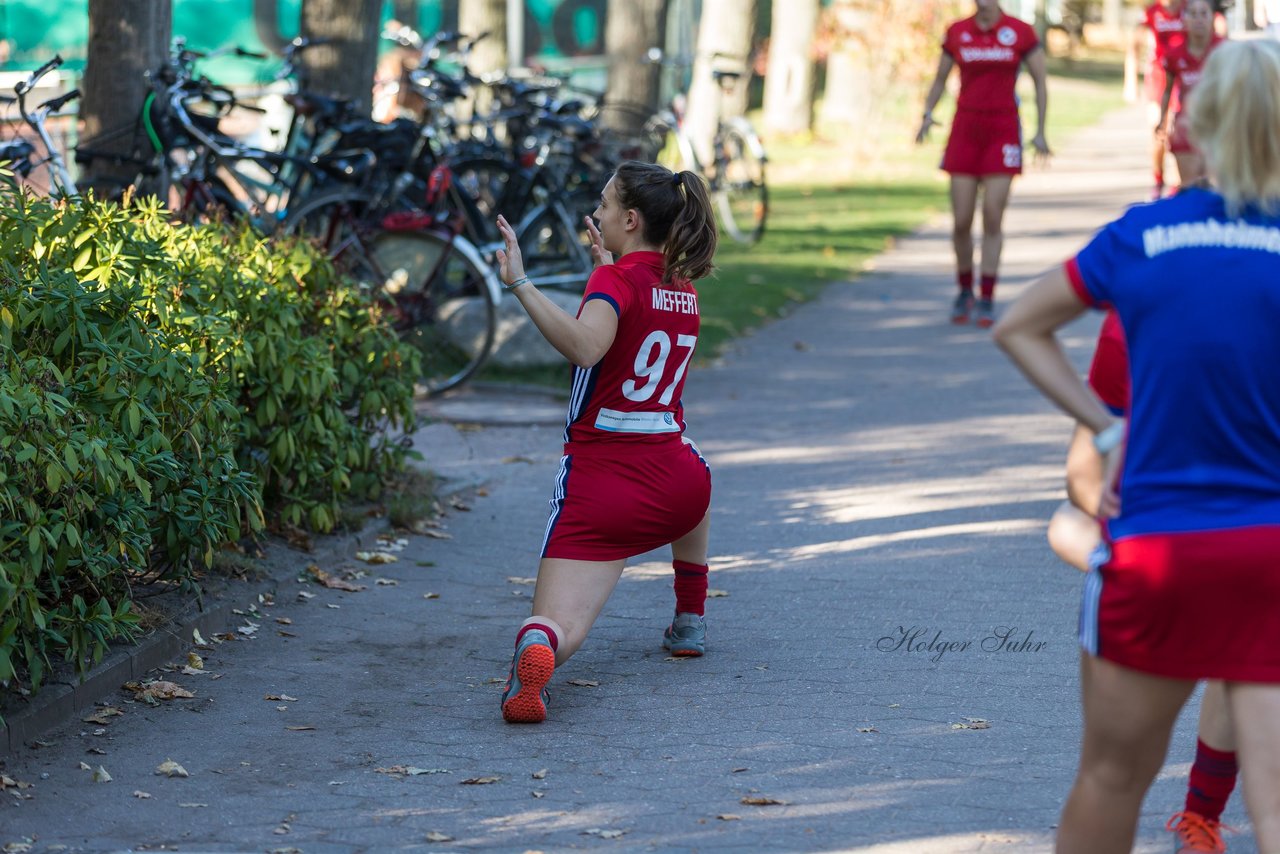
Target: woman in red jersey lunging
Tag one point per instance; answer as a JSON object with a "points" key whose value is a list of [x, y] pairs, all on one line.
{"points": [[629, 481], [984, 149], [1183, 66]]}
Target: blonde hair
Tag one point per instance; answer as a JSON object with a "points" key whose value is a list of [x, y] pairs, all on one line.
{"points": [[1234, 115]]}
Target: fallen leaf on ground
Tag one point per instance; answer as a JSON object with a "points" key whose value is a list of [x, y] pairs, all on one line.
{"points": [[538, 794], [739, 770], [17, 847], [430, 595], [604, 834], [281, 698], [729, 817], [193, 806], [248, 629], [305, 728], [141, 795], [103, 716], [96, 751], [195, 635], [326, 580], [100, 775], [540, 775], [972, 723], [7, 782], [194, 661], [284, 621], [334, 607], [760, 801], [169, 768], [154, 692], [282, 633], [435, 836], [85, 766], [303, 596], [435, 535], [459, 504], [376, 557], [386, 582], [480, 781], [867, 729], [410, 771], [713, 593], [519, 579], [585, 683], [495, 680]]}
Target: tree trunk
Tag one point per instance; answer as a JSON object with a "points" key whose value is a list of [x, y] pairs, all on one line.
{"points": [[632, 27], [789, 83], [724, 44], [850, 87], [266, 22], [344, 67], [476, 17], [126, 39]]}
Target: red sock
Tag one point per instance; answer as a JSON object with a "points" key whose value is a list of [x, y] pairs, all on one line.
{"points": [[691, 587], [1159, 176], [965, 280], [542, 627], [988, 286], [1213, 776]]}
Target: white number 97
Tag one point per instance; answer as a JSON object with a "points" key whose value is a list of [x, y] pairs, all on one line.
{"points": [[651, 363]]}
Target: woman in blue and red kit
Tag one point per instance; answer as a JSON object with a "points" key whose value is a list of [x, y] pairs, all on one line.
{"points": [[629, 481], [984, 149], [1188, 585]]}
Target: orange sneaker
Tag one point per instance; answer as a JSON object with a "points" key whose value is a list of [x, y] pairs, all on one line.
{"points": [[525, 699], [1196, 834]]}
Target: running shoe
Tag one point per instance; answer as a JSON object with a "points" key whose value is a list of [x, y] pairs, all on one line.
{"points": [[962, 306], [1195, 834], [687, 635], [525, 699], [985, 316]]}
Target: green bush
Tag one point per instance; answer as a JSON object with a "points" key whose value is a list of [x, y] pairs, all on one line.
{"points": [[164, 389]]}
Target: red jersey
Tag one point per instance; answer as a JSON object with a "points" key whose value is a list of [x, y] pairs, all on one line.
{"points": [[1109, 372], [1186, 69], [1167, 31], [989, 61], [631, 397]]}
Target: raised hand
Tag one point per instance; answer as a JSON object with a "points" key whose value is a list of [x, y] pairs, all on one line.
{"points": [[599, 255], [510, 261]]}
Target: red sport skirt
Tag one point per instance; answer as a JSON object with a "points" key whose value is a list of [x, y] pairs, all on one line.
{"points": [[984, 143], [1195, 605], [612, 506]]}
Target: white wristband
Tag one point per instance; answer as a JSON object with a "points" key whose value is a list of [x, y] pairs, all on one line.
{"points": [[1109, 439]]}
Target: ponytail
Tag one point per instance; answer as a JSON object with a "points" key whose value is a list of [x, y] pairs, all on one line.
{"points": [[677, 216]]}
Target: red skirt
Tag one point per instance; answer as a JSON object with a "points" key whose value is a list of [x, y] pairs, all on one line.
{"points": [[612, 507], [1195, 605], [984, 143]]}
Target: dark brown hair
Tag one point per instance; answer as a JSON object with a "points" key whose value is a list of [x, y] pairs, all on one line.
{"points": [[677, 215]]}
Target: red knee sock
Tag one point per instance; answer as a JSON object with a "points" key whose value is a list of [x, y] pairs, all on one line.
{"points": [[988, 286], [1213, 776], [542, 627], [965, 281], [691, 587]]}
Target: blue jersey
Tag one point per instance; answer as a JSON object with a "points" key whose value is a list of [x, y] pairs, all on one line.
{"points": [[1198, 295]]}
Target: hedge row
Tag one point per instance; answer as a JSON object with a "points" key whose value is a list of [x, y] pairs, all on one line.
{"points": [[163, 390]]}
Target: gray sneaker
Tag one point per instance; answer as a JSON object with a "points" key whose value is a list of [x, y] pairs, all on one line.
{"points": [[961, 308], [985, 315], [687, 635]]}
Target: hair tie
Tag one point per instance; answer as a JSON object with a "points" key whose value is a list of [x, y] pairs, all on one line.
{"points": [[676, 179]]}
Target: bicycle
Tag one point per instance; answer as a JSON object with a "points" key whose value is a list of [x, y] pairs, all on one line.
{"points": [[736, 175], [20, 154]]}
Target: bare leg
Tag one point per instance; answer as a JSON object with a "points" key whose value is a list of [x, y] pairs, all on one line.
{"points": [[1190, 167], [1255, 715], [1215, 718], [1128, 717], [995, 197], [692, 547], [572, 594], [964, 201]]}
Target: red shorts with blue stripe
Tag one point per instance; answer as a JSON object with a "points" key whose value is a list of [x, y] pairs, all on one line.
{"points": [[611, 504], [984, 143], [1195, 605]]}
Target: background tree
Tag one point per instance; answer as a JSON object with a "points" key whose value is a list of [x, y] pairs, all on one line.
{"points": [[343, 67], [485, 16], [725, 37], [789, 83], [126, 39], [632, 27]]}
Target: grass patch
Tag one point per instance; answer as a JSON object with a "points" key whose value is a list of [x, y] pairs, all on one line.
{"points": [[839, 196], [411, 499]]}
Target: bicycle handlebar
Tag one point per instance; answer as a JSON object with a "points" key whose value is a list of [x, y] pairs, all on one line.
{"points": [[30, 83], [55, 104]]}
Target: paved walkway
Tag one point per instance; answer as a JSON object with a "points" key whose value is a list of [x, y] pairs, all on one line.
{"points": [[877, 472]]}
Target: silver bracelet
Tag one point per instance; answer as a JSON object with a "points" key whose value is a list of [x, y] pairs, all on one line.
{"points": [[1109, 439], [511, 286]]}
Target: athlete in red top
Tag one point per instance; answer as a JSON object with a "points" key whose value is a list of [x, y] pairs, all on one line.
{"points": [[985, 146], [629, 482], [1183, 65], [1163, 23]]}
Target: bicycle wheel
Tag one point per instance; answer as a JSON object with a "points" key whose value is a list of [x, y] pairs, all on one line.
{"points": [[556, 254], [664, 144], [439, 295], [738, 187]]}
